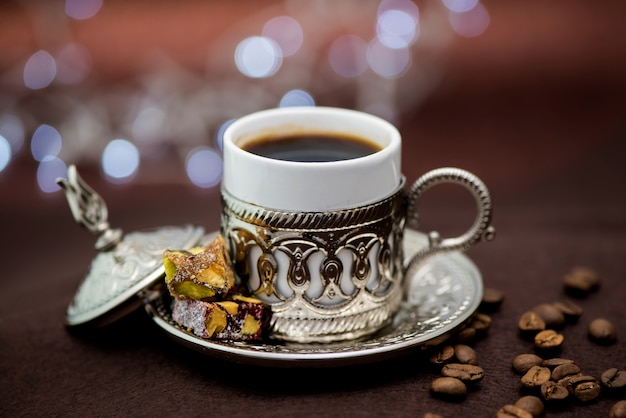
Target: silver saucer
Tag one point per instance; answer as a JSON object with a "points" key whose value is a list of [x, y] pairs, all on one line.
{"points": [[444, 293]]}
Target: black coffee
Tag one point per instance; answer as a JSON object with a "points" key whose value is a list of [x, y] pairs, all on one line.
{"points": [[318, 147]]}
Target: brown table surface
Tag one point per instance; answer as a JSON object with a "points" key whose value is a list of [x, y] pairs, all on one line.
{"points": [[547, 135]]}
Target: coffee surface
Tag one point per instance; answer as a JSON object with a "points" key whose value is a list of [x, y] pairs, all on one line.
{"points": [[311, 147]]}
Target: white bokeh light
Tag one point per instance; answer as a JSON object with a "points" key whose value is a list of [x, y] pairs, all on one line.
{"points": [[219, 136], [347, 56], [82, 9], [258, 57], [287, 33], [5, 153], [40, 70], [49, 170], [120, 160], [12, 129], [471, 23], [204, 167], [407, 6], [396, 28], [296, 97], [388, 62], [46, 142], [460, 6]]}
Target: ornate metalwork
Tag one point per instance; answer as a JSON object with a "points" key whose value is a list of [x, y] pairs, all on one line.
{"points": [[328, 275]]}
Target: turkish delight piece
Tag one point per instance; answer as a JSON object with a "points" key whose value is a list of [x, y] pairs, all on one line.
{"points": [[241, 318], [199, 273]]}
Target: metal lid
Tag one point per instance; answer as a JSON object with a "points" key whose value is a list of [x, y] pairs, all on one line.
{"points": [[126, 266]]}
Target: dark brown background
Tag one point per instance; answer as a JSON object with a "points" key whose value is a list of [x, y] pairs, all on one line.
{"points": [[535, 107]]}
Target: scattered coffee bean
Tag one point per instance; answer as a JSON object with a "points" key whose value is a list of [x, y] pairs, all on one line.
{"points": [[431, 415], [466, 335], [564, 370], [552, 392], [448, 387], [532, 404], [587, 391], [581, 281], [550, 314], [570, 310], [584, 387], [492, 299], [618, 410], [548, 340], [443, 355], [481, 323], [602, 331], [512, 411], [464, 372], [535, 377], [530, 323], [614, 379], [523, 362], [555, 362], [465, 354]]}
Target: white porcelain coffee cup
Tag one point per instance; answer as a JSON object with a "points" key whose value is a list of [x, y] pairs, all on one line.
{"points": [[321, 242]]}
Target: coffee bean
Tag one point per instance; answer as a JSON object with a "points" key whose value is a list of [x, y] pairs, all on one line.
{"points": [[550, 314], [602, 331], [555, 362], [523, 362], [548, 340], [463, 372], [492, 299], [443, 355], [532, 404], [564, 370], [618, 410], [551, 391], [512, 411], [465, 354], [530, 323], [448, 386], [431, 415], [466, 335], [535, 377], [570, 310], [614, 379], [587, 391], [481, 323], [581, 281]]}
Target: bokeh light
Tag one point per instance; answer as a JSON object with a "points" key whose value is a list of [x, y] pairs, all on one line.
{"points": [[12, 129], [258, 57], [46, 142], [296, 97], [5, 153], [219, 136], [204, 167], [49, 170], [347, 56], [460, 6], [287, 33], [82, 9], [406, 6], [396, 28], [471, 23], [120, 160], [73, 64], [40, 70], [388, 62]]}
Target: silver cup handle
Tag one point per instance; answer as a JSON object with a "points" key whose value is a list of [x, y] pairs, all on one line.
{"points": [[479, 231]]}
